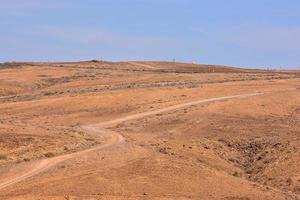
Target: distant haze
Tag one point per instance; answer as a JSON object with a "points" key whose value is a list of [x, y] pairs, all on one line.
{"points": [[254, 33]]}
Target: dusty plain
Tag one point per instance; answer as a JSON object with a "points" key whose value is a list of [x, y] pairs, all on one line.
{"points": [[148, 130]]}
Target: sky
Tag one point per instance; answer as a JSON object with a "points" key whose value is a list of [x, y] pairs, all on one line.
{"points": [[248, 33]]}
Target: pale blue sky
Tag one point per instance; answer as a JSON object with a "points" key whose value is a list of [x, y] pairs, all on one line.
{"points": [[249, 33]]}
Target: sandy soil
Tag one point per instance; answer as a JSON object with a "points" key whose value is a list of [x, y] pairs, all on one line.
{"points": [[148, 130]]}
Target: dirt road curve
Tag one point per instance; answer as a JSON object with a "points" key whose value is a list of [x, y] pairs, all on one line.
{"points": [[38, 167]]}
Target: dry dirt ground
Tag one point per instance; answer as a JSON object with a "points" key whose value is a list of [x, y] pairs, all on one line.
{"points": [[148, 130]]}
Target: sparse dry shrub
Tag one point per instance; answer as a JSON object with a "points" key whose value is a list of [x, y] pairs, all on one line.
{"points": [[49, 154], [3, 157]]}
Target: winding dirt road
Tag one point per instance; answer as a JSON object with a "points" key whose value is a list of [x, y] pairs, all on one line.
{"points": [[38, 167]]}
